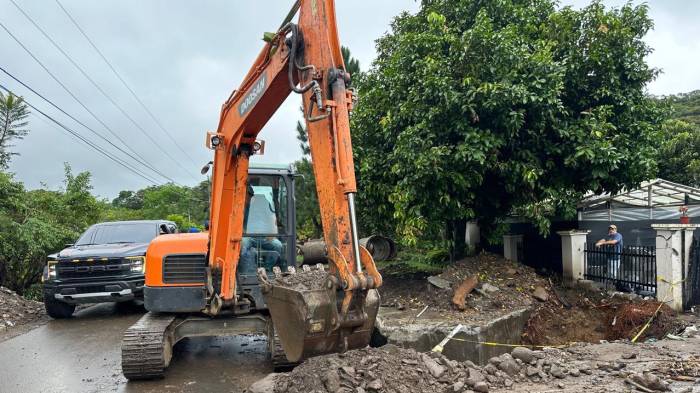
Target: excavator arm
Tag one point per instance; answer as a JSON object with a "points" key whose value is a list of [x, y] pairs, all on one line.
{"points": [[304, 59]]}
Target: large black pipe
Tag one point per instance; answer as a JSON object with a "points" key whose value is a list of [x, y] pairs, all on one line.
{"points": [[382, 249]]}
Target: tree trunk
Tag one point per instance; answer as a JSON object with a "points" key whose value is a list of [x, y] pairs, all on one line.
{"points": [[457, 231]]}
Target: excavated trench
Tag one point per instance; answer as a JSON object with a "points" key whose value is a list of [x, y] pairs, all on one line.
{"points": [[403, 329]]}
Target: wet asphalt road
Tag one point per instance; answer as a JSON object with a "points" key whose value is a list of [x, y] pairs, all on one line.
{"points": [[82, 354]]}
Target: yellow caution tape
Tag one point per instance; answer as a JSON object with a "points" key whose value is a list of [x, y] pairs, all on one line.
{"points": [[494, 344]]}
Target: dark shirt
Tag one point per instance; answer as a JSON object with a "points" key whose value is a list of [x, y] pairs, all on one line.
{"points": [[617, 247]]}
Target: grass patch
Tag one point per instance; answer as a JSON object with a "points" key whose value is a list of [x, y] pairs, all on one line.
{"points": [[416, 262]]}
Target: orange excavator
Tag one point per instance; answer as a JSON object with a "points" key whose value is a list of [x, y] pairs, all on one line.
{"points": [[240, 277]]}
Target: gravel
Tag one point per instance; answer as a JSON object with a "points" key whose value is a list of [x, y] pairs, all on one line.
{"points": [[303, 281]]}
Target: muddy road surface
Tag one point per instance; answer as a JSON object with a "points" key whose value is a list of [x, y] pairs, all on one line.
{"points": [[82, 354]]}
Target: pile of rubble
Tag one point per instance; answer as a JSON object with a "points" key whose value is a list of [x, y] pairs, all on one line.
{"points": [[585, 315], [607, 367], [17, 311], [479, 288], [393, 369]]}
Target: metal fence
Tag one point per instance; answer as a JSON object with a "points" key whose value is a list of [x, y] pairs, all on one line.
{"points": [[632, 270], [691, 285]]}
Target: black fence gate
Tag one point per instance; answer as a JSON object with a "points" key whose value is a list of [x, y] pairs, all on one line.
{"points": [[632, 270], [691, 287]]}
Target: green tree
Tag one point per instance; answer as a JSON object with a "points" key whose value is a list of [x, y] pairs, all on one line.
{"points": [[13, 115], [352, 65], [36, 223], [129, 200], [474, 108], [686, 106], [679, 157]]}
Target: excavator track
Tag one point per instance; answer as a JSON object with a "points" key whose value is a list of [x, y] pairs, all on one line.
{"points": [[147, 346]]}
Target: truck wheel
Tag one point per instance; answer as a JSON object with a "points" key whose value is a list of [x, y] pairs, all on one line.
{"points": [[57, 309]]}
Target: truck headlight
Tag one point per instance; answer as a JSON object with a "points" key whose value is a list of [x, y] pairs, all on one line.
{"points": [[138, 264], [53, 272]]}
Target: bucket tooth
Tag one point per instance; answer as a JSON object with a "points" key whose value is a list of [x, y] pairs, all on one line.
{"points": [[277, 271], [291, 270], [306, 268], [320, 267]]}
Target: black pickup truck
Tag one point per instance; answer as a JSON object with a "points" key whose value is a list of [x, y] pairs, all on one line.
{"points": [[106, 264]]}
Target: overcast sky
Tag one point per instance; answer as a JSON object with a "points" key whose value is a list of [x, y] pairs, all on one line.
{"points": [[183, 58]]}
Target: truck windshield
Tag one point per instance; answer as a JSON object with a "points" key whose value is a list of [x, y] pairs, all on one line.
{"points": [[118, 233]]}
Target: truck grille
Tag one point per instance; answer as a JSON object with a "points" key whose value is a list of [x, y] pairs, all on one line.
{"points": [[184, 269], [93, 268]]}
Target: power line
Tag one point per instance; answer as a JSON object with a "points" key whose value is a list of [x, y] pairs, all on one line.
{"points": [[138, 159], [92, 81], [83, 139], [136, 97], [63, 111]]}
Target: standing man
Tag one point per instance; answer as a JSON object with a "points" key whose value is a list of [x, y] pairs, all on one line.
{"points": [[614, 242]]}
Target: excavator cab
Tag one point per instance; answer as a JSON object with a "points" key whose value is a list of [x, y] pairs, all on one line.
{"points": [[269, 234]]}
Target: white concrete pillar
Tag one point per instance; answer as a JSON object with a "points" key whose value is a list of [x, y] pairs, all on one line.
{"points": [[573, 245], [670, 239], [512, 247], [473, 234]]}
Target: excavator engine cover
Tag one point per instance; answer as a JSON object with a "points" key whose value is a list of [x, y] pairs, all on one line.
{"points": [[307, 319]]}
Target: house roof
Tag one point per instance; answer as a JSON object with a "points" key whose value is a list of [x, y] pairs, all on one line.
{"points": [[652, 193]]}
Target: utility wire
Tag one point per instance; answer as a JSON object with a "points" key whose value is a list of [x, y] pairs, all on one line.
{"points": [[83, 139], [62, 111], [114, 71], [109, 98], [138, 159]]}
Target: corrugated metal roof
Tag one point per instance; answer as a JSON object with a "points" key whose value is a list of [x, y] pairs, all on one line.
{"points": [[653, 193]]}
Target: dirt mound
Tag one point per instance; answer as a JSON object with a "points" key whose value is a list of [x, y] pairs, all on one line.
{"points": [[578, 315], [303, 281], [628, 319], [503, 286], [16, 311]]}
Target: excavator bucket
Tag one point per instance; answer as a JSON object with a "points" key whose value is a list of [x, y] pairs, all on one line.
{"points": [[305, 312]]}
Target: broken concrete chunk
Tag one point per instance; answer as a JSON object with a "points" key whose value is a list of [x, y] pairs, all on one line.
{"points": [[375, 385], [509, 367], [531, 371], [651, 381], [524, 354], [540, 294], [488, 288], [332, 380], [434, 368], [481, 387], [557, 372], [349, 370], [476, 376], [439, 282]]}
